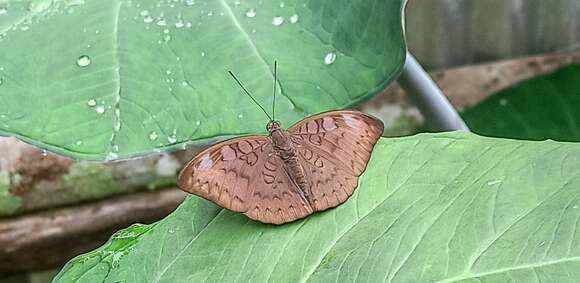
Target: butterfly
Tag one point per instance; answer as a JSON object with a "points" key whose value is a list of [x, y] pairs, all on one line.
{"points": [[287, 174]]}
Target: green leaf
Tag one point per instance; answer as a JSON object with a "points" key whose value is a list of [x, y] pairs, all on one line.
{"points": [[433, 207], [108, 79], [545, 107]]}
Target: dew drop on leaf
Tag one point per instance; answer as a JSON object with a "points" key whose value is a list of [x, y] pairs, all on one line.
{"points": [[153, 136], [3, 11], [251, 13], [282, 5], [179, 24], [172, 139], [161, 23], [202, 54], [240, 116], [83, 61], [1, 81], [329, 58], [237, 3], [92, 102], [198, 122], [277, 21], [79, 142], [503, 102], [148, 19], [100, 109], [189, 2], [294, 18], [144, 13]]}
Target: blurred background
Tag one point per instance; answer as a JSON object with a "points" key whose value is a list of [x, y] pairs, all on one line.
{"points": [[447, 33], [472, 48]]}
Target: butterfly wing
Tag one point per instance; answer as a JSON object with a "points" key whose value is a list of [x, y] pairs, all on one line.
{"points": [[334, 149], [244, 175]]}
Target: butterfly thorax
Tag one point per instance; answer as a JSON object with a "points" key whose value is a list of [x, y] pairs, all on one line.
{"points": [[284, 148]]}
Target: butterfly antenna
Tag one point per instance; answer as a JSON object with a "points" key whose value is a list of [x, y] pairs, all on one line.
{"points": [[275, 83], [246, 91]]}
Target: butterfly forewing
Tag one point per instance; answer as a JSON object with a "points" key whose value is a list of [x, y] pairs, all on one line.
{"points": [[227, 172], [244, 175], [334, 148]]}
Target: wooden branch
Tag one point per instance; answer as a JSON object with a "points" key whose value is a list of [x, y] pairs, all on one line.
{"points": [[50, 238]]}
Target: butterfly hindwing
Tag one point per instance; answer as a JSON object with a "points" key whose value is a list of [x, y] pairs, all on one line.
{"points": [[278, 199]]}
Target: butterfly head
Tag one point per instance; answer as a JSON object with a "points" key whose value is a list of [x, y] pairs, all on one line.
{"points": [[273, 126]]}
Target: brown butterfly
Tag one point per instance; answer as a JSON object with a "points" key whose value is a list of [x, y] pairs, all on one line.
{"points": [[288, 174]]}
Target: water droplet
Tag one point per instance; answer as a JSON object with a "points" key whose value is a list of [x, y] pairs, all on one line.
{"points": [[83, 61], [210, 13], [237, 3], [198, 122], [184, 83], [100, 109], [3, 11], [148, 19], [153, 136], [329, 58], [503, 102], [172, 139], [1, 81], [179, 24], [253, 30], [166, 31], [171, 231], [79, 142], [92, 102], [112, 155], [167, 38], [161, 23], [144, 13], [44, 153], [168, 72], [189, 2], [282, 5], [251, 13], [202, 54], [24, 28], [277, 21], [294, 18], [240, 116]]}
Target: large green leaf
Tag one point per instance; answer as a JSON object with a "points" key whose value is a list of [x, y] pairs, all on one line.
{"points": [[545, 107], [433, 207], [108, 79]]}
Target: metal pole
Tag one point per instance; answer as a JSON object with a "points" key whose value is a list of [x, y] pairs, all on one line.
{"points": [[439, 114]]}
